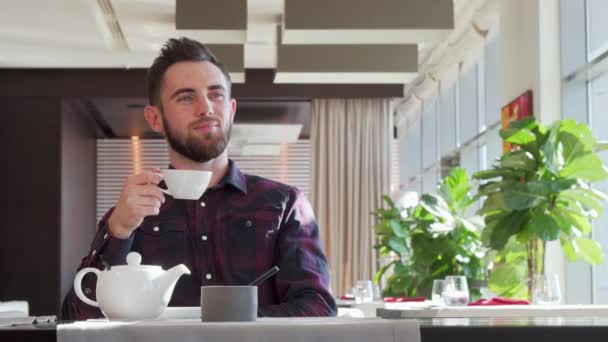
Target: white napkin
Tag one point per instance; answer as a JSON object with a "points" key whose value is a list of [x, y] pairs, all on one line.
{"points": [[265, 329], [15, 305]]}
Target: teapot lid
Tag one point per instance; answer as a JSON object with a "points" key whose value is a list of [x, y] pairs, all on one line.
{"points": [[134, 262]]}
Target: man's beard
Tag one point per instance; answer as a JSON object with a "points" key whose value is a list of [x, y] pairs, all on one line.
{"points": [[198, 148]]}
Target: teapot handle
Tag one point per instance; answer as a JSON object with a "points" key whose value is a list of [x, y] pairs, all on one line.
{"points": [[78, 285]]}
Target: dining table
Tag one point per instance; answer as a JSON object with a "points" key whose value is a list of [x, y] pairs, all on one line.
{"points": [[474, 329]]}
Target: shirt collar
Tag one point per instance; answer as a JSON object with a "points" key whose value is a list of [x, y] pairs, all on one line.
{"points": [[234, 177]]}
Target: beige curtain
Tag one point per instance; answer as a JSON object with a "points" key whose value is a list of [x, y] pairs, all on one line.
{"points": [[351, 144]]}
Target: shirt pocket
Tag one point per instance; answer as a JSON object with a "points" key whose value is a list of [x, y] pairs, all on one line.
{"points": [[162, 240], [248, 240]]}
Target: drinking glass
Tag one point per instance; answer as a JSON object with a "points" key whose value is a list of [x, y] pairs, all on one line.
{"points": [[377, 293], [438, 285], [455, 291], [364, 292], [547, 289]]}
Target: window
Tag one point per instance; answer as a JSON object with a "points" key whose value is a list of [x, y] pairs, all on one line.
{"points": [[458, 127], [584, 50]]}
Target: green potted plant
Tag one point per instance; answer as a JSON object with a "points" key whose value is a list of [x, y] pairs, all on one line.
{"points": [[431, 240], [536, 193]]}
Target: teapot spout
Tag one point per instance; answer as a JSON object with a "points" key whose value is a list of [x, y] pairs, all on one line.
{"points": [[166, 282]]}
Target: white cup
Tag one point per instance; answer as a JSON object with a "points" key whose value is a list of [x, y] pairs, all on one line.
{"points": [[185, 184]]}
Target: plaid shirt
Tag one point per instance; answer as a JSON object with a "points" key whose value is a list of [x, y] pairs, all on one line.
{"points": [[236, 231]]}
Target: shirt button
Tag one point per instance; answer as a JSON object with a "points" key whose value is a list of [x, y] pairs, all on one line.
{"points": [[208, 276], [203, 204], [248, 223], [87, 291], [105, 236], [156, 229], [93, 252], [204, 237]]}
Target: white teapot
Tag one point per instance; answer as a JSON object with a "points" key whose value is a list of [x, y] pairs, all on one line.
{"points": [[132, 291]]}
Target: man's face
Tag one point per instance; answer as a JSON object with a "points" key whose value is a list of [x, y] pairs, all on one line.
{"points": [[197, 111]]}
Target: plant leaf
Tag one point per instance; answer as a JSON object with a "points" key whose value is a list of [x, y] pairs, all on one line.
{"points": [[544, 225], [561, 184], [590, 250], [383, 228], [435, 205], [576, 140], [564, 225], [528, 136], [518, 137], [455, 188], [553, 155], [398, 245], [600, 146], [580, 222], [525, 234], [568, 249], [491, 187], [506, 227], [588, 167], [584, 198], [530, 123], [494, 202], [526, 195], [397, 229], [389, 201], [471, 224], [499, 172], [519, 160], [381, 271]]}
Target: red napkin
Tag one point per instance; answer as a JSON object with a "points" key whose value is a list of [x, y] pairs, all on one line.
{"points": [[347, 297], [403, 299], [499, 301]]}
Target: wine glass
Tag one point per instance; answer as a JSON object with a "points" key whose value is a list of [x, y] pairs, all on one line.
{"points": [[436, 293], [364, 292], [547, 290], [455, 291]]}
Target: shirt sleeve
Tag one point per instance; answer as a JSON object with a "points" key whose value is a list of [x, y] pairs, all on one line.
{"points": [[114, 251], [303, 280]]}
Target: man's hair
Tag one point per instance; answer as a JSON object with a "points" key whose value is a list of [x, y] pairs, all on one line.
{"points": [[174, 51]]}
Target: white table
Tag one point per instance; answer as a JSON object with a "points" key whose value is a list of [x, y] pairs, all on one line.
{"points": [[266, 329], [352, 309], [493, 311]]}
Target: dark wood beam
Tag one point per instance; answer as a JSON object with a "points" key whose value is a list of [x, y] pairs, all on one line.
{"points": [[132, 83]]}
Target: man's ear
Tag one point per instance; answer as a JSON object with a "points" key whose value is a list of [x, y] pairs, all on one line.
{"points": [[233, 108], [153, 116]]}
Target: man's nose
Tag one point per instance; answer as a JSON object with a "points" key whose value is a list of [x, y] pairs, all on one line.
{"points": [[205, 107]]}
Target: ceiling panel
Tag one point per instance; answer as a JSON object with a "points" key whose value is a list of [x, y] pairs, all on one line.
{"points": [[366, 21], [129, 33], [346, 63]]}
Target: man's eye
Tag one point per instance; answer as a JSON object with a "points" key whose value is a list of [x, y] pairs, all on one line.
{"points": [[217, 95], [185, 98]]}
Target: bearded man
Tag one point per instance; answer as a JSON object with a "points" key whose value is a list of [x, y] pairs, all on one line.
{"points": [[240, 227]]}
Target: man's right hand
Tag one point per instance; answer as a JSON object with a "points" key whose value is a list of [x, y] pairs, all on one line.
{"points": [[140, 197]]}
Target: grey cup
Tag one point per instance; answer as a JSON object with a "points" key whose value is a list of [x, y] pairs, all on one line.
{"points": [[229, 303]]}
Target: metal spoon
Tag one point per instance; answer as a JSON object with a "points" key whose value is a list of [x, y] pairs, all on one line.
{"points": [[264, 276]]}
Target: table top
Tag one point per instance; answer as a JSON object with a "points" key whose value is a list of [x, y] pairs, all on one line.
{"points": [[556, 329], [430, 323]]}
